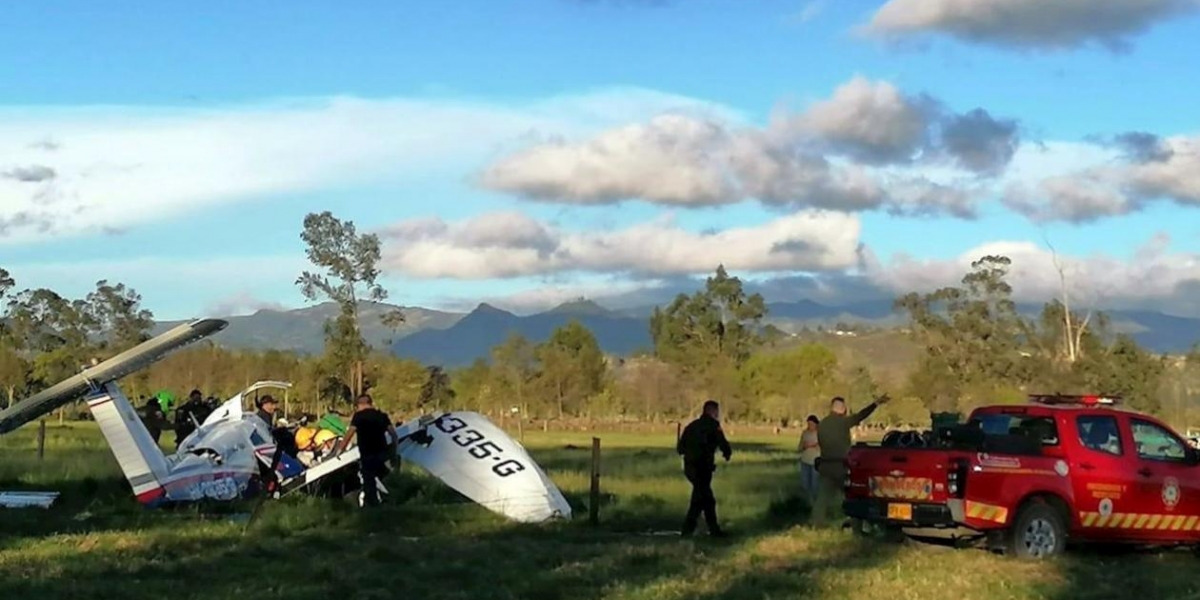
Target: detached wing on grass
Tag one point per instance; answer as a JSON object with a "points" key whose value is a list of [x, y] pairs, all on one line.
{"points": [[481, 461]]}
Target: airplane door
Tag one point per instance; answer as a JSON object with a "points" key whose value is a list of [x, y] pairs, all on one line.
{"points": [[1102, 477], [1167, 488]]}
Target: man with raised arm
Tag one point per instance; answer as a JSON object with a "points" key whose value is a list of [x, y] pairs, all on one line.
{"points": [[834, 439]]}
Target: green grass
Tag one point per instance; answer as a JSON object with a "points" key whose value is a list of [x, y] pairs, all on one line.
{"points": [[429, 543]]}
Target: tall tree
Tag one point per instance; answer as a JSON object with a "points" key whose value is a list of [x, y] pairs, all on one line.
{"points": [[718, 322], [514, 366], [436, 392], [1127, 370], [6, 283], [56, 331], [119, 316], [350, 264], [572, 366], [14, 373], [970, 333]]}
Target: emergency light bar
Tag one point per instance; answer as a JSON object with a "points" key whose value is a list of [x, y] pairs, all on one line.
{"points": [[1085, 400]]}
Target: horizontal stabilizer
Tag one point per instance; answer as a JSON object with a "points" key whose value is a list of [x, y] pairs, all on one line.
{"points": [[95, 377], [27, 499]]}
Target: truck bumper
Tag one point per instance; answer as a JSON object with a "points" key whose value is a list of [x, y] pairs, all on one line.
{"points": [[875, 510]]}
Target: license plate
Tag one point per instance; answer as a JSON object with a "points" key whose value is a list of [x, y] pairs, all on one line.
{"points": [[900, 512]]}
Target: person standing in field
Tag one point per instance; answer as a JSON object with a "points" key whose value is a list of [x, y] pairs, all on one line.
{"points": [[698, 445], [809, 451], [834, 440], [374, 447]]}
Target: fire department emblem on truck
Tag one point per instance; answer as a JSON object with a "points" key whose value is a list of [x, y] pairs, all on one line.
{"points": [[1170, 492]]}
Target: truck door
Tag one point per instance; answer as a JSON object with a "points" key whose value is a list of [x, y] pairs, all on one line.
{"points": [[1167, 488], [1102, 477]]}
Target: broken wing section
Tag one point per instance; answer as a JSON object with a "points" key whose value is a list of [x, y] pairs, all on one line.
{"points": [[480, 461]]}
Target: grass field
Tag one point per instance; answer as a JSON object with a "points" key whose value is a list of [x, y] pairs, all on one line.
{"points": [[430, 543]]}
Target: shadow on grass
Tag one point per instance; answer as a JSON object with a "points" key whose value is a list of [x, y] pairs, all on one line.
{"points": [[1093, 573], [310, 548], [430, 542]]}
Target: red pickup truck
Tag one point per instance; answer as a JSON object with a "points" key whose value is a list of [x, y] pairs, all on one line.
{"points": [[1027, 478]]}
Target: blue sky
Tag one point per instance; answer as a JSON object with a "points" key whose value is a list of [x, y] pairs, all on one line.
{"points": [[530, 151]]}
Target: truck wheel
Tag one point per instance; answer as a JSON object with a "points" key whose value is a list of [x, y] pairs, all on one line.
{"points": [[886, 533], [1037, 532]]}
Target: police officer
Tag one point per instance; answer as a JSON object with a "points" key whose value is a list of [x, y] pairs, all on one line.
{"points": [[153, 417], [833, 437], [185, 415], [698, 445]]}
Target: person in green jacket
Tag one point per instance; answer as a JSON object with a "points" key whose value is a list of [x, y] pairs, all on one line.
{"points": [[834, 439]]}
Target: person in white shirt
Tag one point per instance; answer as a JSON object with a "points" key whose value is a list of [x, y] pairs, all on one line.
{"points": [[809, 451]]}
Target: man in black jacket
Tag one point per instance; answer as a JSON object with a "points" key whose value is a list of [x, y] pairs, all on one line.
{"points": [[698, 445]]}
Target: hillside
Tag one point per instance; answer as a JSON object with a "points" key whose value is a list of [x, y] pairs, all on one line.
{"points": [[474, 335], [303, 329], [451, 338]]}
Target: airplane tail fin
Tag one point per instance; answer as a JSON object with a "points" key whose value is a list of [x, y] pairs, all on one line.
{"points": [[140, 458]]}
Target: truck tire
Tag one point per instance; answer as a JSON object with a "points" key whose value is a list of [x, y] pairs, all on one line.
{"points": [[1037, 532], [890, 534]]}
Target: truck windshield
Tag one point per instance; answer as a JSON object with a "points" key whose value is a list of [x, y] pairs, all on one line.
{"points": [[1041, 429]]}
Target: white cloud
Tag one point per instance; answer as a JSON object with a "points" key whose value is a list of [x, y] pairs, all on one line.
{"points": [[820, 158], [1150, 169], [870, 120], [541, 298], [108, 168], [174, 287], [242, 302], [1153, 276], [509, 245], [1038, 24]]}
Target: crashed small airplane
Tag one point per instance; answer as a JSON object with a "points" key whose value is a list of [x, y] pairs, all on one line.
{"points": [[231, 454]]}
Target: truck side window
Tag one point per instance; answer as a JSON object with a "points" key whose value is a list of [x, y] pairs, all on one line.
{"points": [[1041, 430], [1156, 443], [1099, 433]]}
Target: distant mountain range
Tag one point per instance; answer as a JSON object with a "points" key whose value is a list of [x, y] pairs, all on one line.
{"points": [[454, 339], [475, 334], [303, 329]]}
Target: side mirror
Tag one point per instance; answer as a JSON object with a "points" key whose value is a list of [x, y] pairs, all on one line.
{"points": [[1192, 457]]}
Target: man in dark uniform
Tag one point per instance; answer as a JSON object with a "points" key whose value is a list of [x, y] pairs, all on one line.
{"points": [[374, 446], [184, 415], [698, 445], [834, 439], [153, 417]]}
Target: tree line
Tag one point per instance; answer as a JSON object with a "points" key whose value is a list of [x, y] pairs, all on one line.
{"points": [[974, 348]]}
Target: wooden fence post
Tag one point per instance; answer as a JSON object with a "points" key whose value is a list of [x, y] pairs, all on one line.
{"points": [[41, 439], [594, 508]]}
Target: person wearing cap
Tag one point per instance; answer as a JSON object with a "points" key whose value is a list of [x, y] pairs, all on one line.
{"points": [[698, 444], [266, 410], [372, 426]]}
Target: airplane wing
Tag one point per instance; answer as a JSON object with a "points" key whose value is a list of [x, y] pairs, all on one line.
{"points": [[480, 461], [129, 361]]}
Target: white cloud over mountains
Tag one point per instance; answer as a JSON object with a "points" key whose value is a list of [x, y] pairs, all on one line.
{"points": [[74, 171], [1031, 24], [820, 158], [1155, 277], [509, 245], [868, 146]]}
